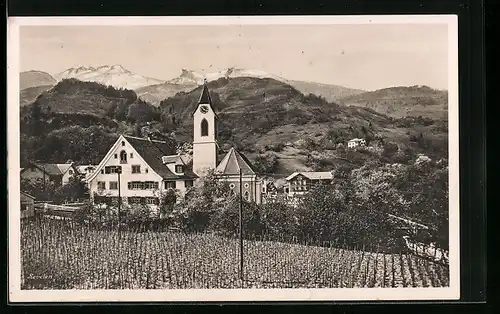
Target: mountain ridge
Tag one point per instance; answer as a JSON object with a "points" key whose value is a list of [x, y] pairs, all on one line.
{"points": [[401, 101], [114, 75], [35, 78]]}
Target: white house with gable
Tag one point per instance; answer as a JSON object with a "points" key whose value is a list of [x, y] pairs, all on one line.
{"points": [[148, 169], [355, 142]]}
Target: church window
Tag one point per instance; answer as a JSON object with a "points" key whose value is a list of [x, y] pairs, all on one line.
{"points": [[231, 185], [246, 185], [123, 157], [204, 127], [247, 195]]}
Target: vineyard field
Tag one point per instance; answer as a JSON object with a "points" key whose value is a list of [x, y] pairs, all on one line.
{"points": [[61, 255]]}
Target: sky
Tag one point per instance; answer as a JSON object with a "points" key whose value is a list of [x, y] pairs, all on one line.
{"points": [[360, 56]]}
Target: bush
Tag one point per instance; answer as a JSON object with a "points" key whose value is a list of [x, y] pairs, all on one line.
{"points": [[266, 163]]}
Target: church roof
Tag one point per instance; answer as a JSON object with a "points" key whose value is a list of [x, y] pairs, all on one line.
{"points": [[233, 162], [205, 96], [205, 99]]}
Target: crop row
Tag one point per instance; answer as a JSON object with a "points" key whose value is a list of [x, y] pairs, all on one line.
{"points": [[59, 256]]}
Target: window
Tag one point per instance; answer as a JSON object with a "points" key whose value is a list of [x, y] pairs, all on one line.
{"points": [[70, 172], [179, 168], [113, 185], [204, 127], [110, 169], [116, 156], [101, 185], [136, 200], [152, 200], [247, 196], [146, 170], [169, 185], [102, 171], [123, 143], [246, 185], [123, 157], [231, 185], [136, 169], [131, 155], [188, 183], [146, 185]]}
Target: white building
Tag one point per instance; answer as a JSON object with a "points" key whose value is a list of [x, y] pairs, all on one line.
{"points": [[299, 183], [355, 142], [148, 170]]}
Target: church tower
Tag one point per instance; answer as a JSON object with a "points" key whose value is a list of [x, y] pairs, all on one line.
{"points": [[205, 145]]}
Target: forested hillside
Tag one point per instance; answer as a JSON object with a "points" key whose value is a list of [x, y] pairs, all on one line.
{"points": [[279, 128]]}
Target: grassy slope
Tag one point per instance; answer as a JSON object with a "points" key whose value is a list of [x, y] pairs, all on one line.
{"points": [[402, 101], [262, 112], [329, 92], [29, 79], [154, 94], [29, 95]]}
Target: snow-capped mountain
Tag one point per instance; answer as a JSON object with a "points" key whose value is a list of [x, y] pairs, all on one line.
{"points": [[192, 77], [114, 75]]}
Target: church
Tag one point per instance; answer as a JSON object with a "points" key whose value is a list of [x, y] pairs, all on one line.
{"points": [[234, 167]]}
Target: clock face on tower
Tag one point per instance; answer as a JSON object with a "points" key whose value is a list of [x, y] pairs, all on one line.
{"points": [[204, 109]]}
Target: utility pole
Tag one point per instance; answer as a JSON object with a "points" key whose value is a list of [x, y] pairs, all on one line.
{"points": [[119, 171], [241, 228]]}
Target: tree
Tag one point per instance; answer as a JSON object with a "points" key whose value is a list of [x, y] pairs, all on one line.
{"points": [[74, 190], [266, 163]]}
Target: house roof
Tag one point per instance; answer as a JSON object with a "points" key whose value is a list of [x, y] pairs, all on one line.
{"points": [[64, 167], [27, 195], [172, 159], [233, 162], [356, 140], [50, 169], [152, 152], [316, 175]]}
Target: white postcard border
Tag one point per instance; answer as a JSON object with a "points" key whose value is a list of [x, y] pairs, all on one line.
{"points": [[343, 294]]}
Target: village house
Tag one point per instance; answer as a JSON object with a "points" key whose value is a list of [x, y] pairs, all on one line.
{"points": [[355, 142], [148, 171], [298, 183], [59, 174]]}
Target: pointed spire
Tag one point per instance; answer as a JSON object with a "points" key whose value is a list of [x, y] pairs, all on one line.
{"points": [[205, 95]]}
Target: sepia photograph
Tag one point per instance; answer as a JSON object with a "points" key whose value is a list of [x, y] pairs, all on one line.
{"points": [[233, 158]]}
